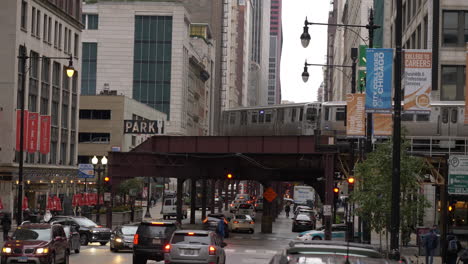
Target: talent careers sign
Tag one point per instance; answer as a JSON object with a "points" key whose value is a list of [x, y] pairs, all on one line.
{"points": [[379, 80], [417, 81], [33, 124], [355, 117], [383, 125], [18, 129]]}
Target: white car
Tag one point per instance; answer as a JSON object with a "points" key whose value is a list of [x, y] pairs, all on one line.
{"points": [[233, 206], [242, 223], [246, 209]]}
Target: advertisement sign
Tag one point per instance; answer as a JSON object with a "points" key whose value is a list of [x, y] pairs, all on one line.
{"points": [[85, 170], [44, 146], [458, 175], [382, 125], [33, 127], [18, 129], [417, 81], [143, 127], [379, 80], [466, 88], [356, 116]]}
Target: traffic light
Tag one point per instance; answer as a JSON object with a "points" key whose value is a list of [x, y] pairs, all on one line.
{"points": [[351, 181], [229, 176], [336, 190], [450, 208], [107, 183], [106, 179]]}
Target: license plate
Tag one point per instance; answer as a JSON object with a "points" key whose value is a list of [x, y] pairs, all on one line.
{"points": [[156, 241], [189, 252], [23, 259]]}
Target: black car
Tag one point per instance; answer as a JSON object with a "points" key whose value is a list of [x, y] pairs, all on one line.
{"points": [[212, 220], [302, 222], [150, 239], [122, 237], [89, 231]]}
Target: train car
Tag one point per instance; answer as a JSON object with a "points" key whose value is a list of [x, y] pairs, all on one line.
{"points": [[277, 120]]}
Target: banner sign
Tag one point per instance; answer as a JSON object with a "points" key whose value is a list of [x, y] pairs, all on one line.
{"points": [[33, 125], [355, 117], [143, 127], [85, 170], [382, 125], [466, 88], [18, 129], [44, 145], [417, 81], [362, 55], [458, 175], [379, 80]]}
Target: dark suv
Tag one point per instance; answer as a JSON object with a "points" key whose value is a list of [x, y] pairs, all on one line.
{"points": [[89, 230], [37, 243], [150, 239]]}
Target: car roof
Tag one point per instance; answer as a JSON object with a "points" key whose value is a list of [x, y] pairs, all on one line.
{"points": [[35, 226], [332, 247], [302, 217]]}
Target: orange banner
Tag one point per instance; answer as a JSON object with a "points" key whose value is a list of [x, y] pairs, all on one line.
{"points": [[355, 116], [383, 125], [417, 80], [466, 88]]}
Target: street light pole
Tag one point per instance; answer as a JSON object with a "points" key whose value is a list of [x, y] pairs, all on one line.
{"points": [[395, 208], [148, 214], [99, 168], [19, 207]]}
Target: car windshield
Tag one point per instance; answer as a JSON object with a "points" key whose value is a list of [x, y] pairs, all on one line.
{"points": [[187, 238], [245, 206], [154, 230], [85, 222], [303, 217], [129, 230], [243, 217], [301, 259], [31, 234]]}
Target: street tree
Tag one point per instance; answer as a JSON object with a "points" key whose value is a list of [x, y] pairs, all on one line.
{"points": [[374, 189]]}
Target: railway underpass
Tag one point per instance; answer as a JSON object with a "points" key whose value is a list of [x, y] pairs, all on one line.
{"points": [[268, 160]]}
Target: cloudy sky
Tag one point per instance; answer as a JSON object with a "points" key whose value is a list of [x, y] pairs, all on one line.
{"points": [[294, 55]]}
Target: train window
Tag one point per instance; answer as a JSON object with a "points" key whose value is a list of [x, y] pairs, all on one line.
{"points": [[261, 116], [232, 118], [243, 120], [340, 114], [422, 117], [280, 114], [327, 113], [454, 115], [254, 117], [301, 114], [293, 115], [268, 117], [407, 117], [311, 113], [445, 115]]}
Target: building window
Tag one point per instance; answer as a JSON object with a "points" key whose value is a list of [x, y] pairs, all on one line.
{"points": [[89, 69], [152, 61], [59, 44], [55, 93], [45, 86], [55, 34], [49, 30], [44, 31], [33, 21], [95, 114], [455, 28], [453, 83], [93, 137], [65, 41], [21, 51], [24, 14], [92, 19], [38, 24], [76, 46], [33, 81]]}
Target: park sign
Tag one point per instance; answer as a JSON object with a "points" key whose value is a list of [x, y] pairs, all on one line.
{"points": [[143, 127], [458, 175]]}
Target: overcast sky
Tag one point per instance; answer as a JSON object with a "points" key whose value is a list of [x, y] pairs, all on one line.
{"points": [[294, 55]]}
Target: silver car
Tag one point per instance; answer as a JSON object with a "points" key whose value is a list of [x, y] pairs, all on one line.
{"points": [[195, 246]]}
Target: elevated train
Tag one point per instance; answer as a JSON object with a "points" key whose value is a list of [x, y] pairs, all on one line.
{"points": [[440, 131]]}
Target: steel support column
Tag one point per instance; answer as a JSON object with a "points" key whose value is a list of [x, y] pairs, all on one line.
{"points": [[328, 160], [267, 219], [180, 199], [204, 197], [212, 195], [193, 198], [226, 194]]}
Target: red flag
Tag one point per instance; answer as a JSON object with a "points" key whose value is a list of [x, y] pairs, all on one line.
{"points": [[50, 204], [25, 203], [18, 129], [57, 204], [1, 204], [33, 119], [45, 135]]}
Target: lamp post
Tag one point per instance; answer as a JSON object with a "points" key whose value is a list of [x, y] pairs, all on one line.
{"points": [[99, 169], [148, 199], [22, 59]]}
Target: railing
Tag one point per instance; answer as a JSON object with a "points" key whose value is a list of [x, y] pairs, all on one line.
{"points": [[436, 146]]}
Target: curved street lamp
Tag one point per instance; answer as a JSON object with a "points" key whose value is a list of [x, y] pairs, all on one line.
{"points": [[305, 37]]}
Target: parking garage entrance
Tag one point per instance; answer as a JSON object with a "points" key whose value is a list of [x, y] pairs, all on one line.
{"points": [[268, 160]]}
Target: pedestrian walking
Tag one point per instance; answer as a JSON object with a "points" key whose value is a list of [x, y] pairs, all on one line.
{"points": [[430, 242], [287, 209], [453, 248], [6, 225]]}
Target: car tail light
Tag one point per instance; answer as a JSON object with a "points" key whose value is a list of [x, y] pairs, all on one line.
{"points": [[157, 223], [135, 239], [212, 250], [205, 220], [167, 248], [190, 233], [232, 205], [236, 222], [252, 222]]}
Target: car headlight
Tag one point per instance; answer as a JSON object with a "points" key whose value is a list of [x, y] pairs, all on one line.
{"points": [[6, 250], [118, 240], [42, 250], [95, 231]]}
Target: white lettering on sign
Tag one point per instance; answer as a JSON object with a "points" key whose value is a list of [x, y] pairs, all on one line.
{"points": [[378, 79], [143, 127]]}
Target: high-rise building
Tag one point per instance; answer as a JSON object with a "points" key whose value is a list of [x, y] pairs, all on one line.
{"points": [[154, 53], [46, 31], [274, 60]]}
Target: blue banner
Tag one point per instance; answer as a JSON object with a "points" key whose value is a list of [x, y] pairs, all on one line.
{"points": [[379, 80]]}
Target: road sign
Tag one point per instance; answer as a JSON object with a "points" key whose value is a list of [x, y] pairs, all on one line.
{"points": [[85, 171], [327, 210], [458, 175], [107, 197], [269, 194]]}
